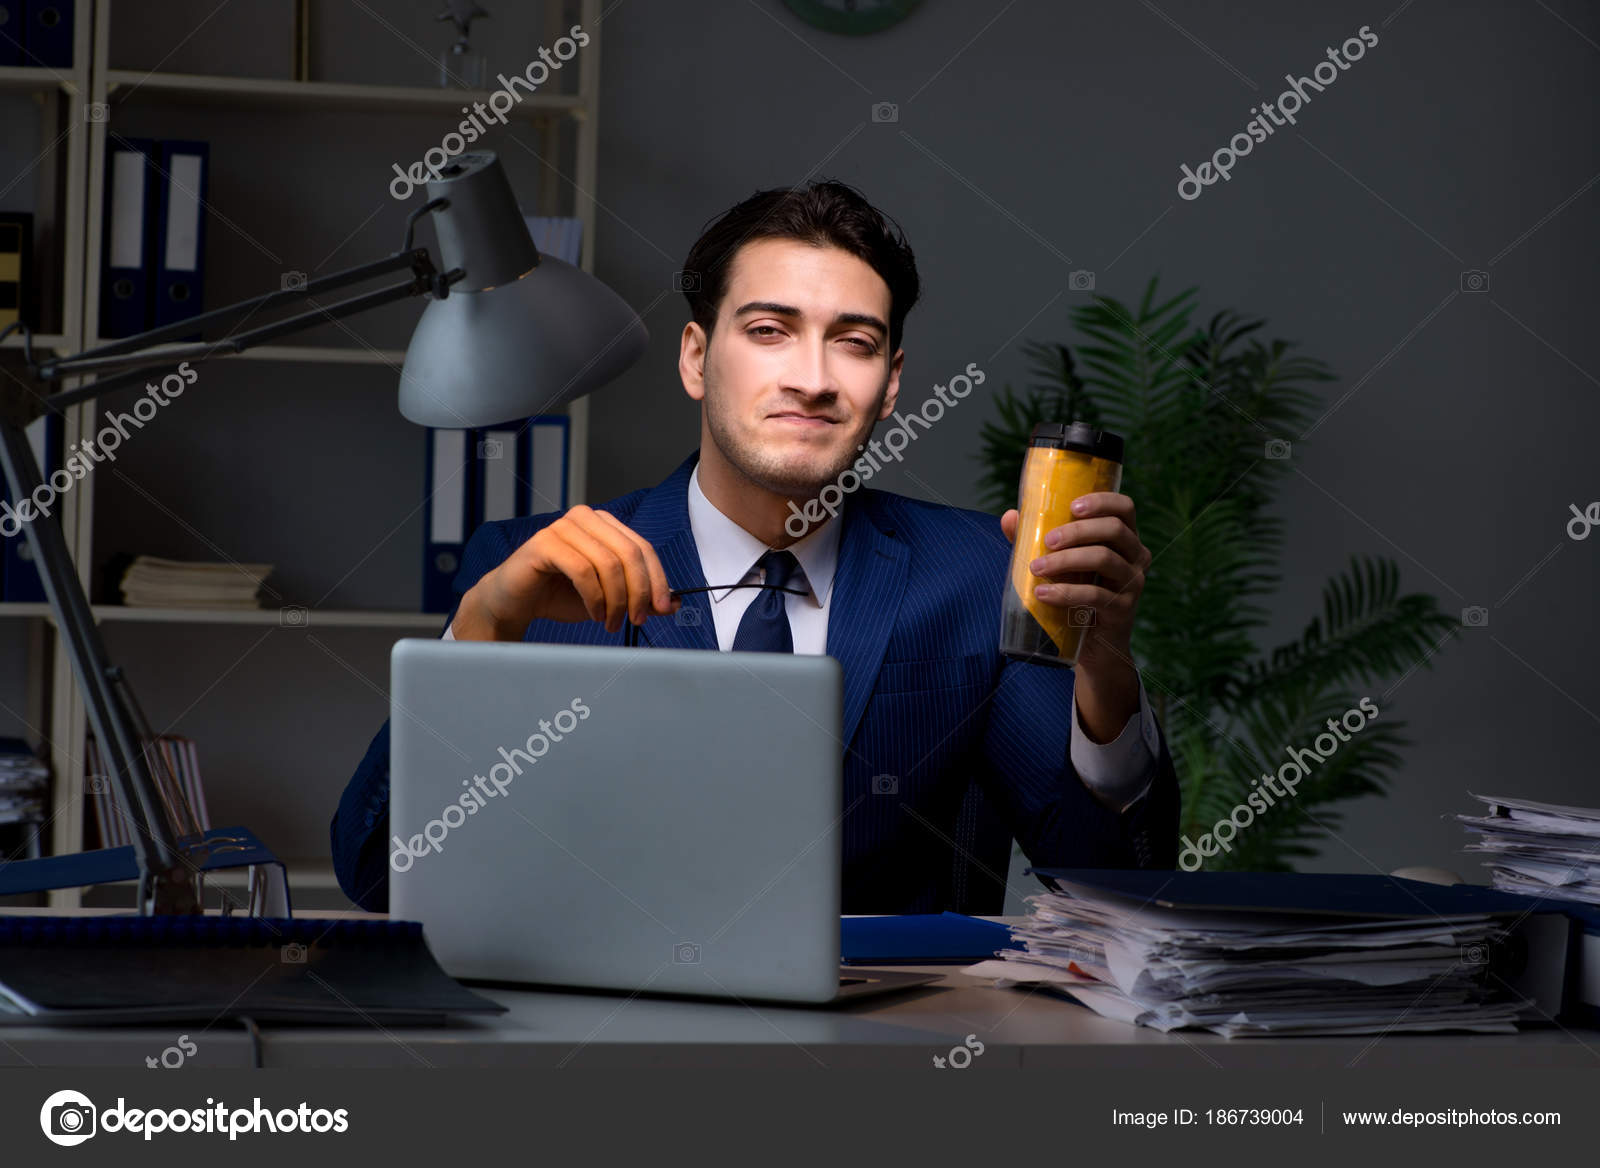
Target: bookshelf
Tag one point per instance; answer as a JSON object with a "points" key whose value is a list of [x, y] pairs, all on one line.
{"points": [[98, 97]]}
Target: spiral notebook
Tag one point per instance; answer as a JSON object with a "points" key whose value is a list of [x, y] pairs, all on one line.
{"points": [[97, 970]]}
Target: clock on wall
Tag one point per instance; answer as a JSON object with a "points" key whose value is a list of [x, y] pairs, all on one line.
{"points": [[852, 17]]}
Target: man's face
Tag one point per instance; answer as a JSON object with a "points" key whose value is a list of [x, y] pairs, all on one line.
{"points": [[797, 372]]}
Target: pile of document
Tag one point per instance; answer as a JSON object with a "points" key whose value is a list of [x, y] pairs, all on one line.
{"points": [[24, 779], [150, 582], [1240, 973], [1539, 849]]}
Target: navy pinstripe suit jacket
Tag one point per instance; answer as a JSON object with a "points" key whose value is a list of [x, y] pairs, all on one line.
{"points": [[913, 620]]}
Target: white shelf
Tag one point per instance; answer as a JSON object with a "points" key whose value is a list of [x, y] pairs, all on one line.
{"points": [[123, 84], [42, 342], [26, 79], [307, 354], [316, 618]]}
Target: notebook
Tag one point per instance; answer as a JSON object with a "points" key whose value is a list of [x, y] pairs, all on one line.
{"points": [[94, 970]]}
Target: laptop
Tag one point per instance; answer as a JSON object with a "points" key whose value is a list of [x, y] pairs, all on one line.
{"points": [[662, 821]]}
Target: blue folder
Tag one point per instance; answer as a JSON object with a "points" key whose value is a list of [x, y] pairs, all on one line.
{"points": [[128, 266], [921, 939], [450, 489], [11, 33], [20, 582], [48, 40], [181, 232]]}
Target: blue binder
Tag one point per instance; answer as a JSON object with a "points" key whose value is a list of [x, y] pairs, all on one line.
{"points": [[12, 32], [127, 270], [547, 440], [181, 231], [48, 41], [450, 492], [21, 583], [501, 453], [921, 939]]}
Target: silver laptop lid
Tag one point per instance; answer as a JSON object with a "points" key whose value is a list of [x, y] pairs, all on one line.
{"points": [[638, 819]]}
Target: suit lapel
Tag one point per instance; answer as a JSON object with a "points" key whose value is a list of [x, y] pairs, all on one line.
{"points": [[868, 584], [662, 517]]}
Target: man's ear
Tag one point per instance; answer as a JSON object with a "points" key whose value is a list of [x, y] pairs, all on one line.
{"points": [[692, 348], [893, 391]]}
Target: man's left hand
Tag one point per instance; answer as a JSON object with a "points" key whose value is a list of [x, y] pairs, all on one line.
{"points": [[1102, 539]]}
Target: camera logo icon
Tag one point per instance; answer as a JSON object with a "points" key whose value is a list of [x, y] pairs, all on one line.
{"points": [[491, 448], [96, 111], [99, 785], [1474, 955], [1080, 616], [687, 617], [1080, 281], [293, 616], [294, 953], [686, 281], [1278, 449], [1475, 616], [885, 111], [1474, 280], [885, 785], [67, 1118], [686, 953], [292, 281]]}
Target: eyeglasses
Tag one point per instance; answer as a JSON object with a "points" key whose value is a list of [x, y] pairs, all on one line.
{"points": [[721, 587]]}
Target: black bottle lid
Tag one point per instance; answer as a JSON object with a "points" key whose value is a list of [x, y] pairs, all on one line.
{"points": [[1078, 436]]}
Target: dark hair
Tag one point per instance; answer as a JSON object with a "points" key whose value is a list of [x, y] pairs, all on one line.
{"points": [[825, 213]]}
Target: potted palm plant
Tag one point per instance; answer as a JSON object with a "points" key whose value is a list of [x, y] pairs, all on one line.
{"points": [[1207, 414]]}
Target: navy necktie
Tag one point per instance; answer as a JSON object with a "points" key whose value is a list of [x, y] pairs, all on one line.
{"points": [[764, 628]]}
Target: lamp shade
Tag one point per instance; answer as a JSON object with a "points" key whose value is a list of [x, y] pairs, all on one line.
{"points": [[520, 333]]}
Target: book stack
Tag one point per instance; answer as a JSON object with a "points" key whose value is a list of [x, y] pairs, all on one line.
{"points": [[1298, 969], [24, 779], [151, 582], [182, 761], [1539, 849]]}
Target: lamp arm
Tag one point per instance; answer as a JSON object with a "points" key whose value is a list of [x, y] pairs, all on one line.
{"points": [[168, 877], [167, 881]]}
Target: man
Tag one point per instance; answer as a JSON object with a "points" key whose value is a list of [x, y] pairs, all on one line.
{"points": [[799, 300]]}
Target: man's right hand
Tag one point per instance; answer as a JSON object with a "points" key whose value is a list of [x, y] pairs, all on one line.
{"points": [[587, 565]]}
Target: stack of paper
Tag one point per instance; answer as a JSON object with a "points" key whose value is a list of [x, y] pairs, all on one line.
{"points": [[156, 583], [23, 782], [1539, 849], [1259, 973]]}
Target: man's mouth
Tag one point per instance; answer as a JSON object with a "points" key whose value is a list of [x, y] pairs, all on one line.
{"points": [[810, 421]]}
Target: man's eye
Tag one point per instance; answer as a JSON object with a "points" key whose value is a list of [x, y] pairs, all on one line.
{"points": [[865, 345], [763, 328]]}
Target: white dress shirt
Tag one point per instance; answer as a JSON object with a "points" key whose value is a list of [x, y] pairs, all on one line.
{"points": [[1117, 772]]}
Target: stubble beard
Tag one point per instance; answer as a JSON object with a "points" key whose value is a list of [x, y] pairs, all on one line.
{"points": [[784, 473]]}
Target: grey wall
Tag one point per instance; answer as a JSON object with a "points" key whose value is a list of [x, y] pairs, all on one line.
{"points": [[1048, 139], [1033, 139]]}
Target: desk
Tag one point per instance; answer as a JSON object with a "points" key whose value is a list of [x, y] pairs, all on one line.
{"points": [[1018, 1027]]}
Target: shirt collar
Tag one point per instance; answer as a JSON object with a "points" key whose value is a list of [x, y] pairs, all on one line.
{"points": [[728, 553]]}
